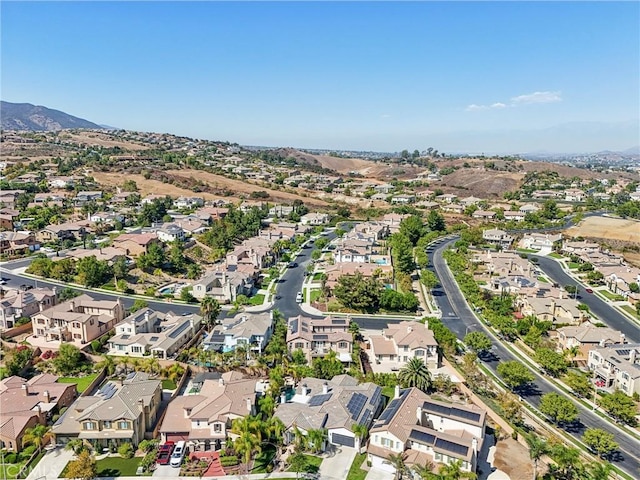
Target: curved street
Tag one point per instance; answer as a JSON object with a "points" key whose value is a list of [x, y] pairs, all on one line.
{"points": [[457, 316]]}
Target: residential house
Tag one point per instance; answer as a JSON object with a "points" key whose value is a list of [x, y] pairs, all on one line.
{"points": [[24, 303], [8, 217], [352, 251], [543, 194], [586, 337], [61, 182], [556, 310], [426, 430], [120, 412], [252, 331], [27, 403], [17, 243], [574, 195], [188, 202], [203, 418], [317, 337], [539, 241], [446, 198], [224, 286], [383, 270], [401, 342], [135, 244], [528, 208], [619, 278], [65, 231], [281, 211], [393, 221], [336, 405], [579, 247], [385, 188], [8, 198], [468, 201], [403, 199], [453, 208], [515, 216], [315, 219], [375, 231], [79, 320], [484, 214], [499, 237], [147, 332], [83, 198], [170, 232], [617, 366], [253, 251]]}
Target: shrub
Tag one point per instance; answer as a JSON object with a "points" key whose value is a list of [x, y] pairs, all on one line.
{"points": [[96, 346], [11, 458], [229, 461], [26, 453], [126, 450]]}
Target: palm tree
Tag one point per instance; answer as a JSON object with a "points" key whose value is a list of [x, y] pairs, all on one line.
{"points": [[75, 445], [275, 430], [537, 448], [108, 364], [361, 431], [424, 471], [37, 436], [250, 424], [300, 439], [317, 437], [453, 471], [247, 444], [210, 309], [599, 470], [415, 374], [573, 352], [396, 460]]}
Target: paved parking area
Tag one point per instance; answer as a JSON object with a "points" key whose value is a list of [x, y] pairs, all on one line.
{"points": [[337, 467]]}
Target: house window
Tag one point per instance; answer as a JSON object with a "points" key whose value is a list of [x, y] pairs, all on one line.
{"points": [[197, 423], [77, 336], [419, 353], [107, 424], [299, 345], [217, 428], [342, 345], [438, 456], [76, 324], [89, 426], [123, 425], [406, 348], [625, 376]]}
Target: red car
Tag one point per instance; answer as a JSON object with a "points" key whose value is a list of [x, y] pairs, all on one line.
{"points": [[164, 453], [588, 290]]}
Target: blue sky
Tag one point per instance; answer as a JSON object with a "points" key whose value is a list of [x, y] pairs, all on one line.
{"points": [[457, 76]]}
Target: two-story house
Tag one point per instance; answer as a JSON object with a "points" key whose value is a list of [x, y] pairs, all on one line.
{"points": [[497, 236], [426, 430], [249, 330], [401, 342], [586, 337], [18, 243], [317, 337], [224, 286], [79, 320], [24, 303], [120, 412], [617, 367], [203, 418]]}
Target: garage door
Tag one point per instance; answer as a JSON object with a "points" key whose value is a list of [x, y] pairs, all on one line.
{"points": [[176, 437], [343, 440]]}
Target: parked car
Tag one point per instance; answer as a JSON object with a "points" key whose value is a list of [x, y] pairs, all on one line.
{"points": [[299, 297], [293, 264], [164, 453], [178, 454], [588, 290]]}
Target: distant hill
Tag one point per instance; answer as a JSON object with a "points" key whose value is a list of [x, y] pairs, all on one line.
{"points": [[25, 116]]}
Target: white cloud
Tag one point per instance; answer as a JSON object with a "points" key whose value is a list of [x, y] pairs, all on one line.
{"points": [[536, 97], [527, 99]]}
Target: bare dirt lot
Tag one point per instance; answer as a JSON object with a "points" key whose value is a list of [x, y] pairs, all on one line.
{"points": [[103, 140], [607, 228], [513, 459]]}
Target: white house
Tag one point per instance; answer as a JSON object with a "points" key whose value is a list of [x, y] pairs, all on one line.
{"points": [[250, 330]]}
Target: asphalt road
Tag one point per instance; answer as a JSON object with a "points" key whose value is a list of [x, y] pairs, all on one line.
{"points": [[597, 306], [458, 317]]}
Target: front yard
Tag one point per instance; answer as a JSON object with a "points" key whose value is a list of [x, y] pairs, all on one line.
{"points": [[631, 310], [356, 472], [115, 466], [611, 296], [312, 464]]}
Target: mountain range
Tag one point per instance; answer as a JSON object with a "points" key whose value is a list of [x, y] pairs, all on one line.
{"points": [[25, 116]]}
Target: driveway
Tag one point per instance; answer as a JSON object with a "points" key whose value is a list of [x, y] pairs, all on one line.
{"points": [[51, 465], [166, 471], [337, 466]]}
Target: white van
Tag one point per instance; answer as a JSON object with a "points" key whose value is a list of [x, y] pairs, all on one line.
{"points": [[178, 454], [299, 297]]}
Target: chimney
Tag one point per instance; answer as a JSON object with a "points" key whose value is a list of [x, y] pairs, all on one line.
{"points": [[474, 444], [409, 329], [25, 389], [146, 315], [72, 306], [249, 406], [397, 392], [623, 338], [40, 306], [419, 415], [221, 381], [325, 388], [141, 405], [632, 355], [305, 390], [601, 343], [283, 397], [47, 396]]}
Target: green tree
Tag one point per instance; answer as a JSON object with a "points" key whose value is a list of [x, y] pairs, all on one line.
{"points": [[67, 293], [551, 361], [579, 383], [453, 471], [514, 374], [37, 436], [317, 438], [397, 461], [328, 366], [538, 447], [359, 293], [619, 406], [600, 441], [511, 407], [412, 228], [568, 465], [428, 279], [558, 408], [415, 374], [478, 342], [297, 462], [120, 268], [126, 450], [402, 252], [435, 221], [176, 255], [186, 296], [69, 359], [83, 468], [93, 272], [599, 471], [209, 309], [138, 304]]}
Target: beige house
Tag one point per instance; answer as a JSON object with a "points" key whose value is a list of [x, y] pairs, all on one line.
{"points": [[317, 337], [586, 337], [401, 342], [203, 418], [17, 243], [426, 430], [617, 366], [18, 303], [120, 412], [224, 286], [134, 244], [79, 320], [26, 403], [556, 310]]}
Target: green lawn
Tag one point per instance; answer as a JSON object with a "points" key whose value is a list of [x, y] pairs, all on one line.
{"points": [[264, 459], [11, 470], [313, 464], [257, 299], [543, 279], [611, 296], [526, 250], [355, 472], [82, 382], [631, 310], [317, 277], [389, 392], [118, 466], [555, 255], [315, 295], [573, 265], [168, 384]]}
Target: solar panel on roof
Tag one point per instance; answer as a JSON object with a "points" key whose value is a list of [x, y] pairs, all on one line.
{"points": [[473, 416], [356, 404], [129, 377], [339, 321], [422, 437], [294, 326], [451, 447], [375, 398], [367, 413], [154, 339], [318, 400], [320, 337], [434, 407]]}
